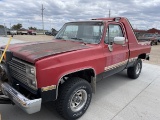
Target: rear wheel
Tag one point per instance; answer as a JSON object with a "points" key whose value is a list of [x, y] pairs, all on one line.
{"points": [[74, 98], [156, 43], [134, 72]]}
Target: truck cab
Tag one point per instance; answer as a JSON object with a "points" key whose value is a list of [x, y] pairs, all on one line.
{"points": [[66, 69]]}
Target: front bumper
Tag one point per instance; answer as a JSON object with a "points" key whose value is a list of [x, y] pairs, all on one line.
{"points": [[29, 106]]}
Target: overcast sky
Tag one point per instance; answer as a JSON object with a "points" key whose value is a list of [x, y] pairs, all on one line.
{"points": [[143, 14]]}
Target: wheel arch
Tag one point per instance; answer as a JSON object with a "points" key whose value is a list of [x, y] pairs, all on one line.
{"points": [[82, 73], [142, 56]]}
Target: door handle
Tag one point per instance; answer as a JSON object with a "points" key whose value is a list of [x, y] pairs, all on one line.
{"points": [[124, 45]]}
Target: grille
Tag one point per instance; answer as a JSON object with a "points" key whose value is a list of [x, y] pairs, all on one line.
{"points": [[18, 70]]}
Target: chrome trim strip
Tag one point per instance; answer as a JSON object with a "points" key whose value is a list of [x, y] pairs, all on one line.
{"points": [[29, 106]]}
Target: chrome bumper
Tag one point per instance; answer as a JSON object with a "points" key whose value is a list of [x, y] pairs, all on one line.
{"points": [[29, 106]]}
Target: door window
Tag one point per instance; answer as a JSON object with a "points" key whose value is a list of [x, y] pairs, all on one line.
{"points": [[113, 30]]}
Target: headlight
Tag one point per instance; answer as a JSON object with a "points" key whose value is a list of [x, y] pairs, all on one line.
{"points": [[30, 70], [31, 73]]}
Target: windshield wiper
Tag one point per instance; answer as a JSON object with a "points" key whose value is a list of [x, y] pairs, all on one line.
{"points": [[75, 38], [80, 39]]}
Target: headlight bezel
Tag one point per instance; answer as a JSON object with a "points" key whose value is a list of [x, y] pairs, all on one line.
{"points": [[31, 77], [30, 69]]}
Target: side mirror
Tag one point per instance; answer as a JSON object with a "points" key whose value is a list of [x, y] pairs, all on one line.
{"points": [[119, 40]]}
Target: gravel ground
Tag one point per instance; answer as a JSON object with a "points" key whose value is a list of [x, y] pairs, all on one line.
{"points": [[32, 37]]}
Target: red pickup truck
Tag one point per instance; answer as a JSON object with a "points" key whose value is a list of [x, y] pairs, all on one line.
{"points": [[65, 70]]}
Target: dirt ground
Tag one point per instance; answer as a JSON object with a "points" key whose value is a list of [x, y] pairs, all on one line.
{"points": [[33, 37], [154, 56]]}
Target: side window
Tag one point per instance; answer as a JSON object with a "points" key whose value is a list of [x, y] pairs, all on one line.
{"points": [[113, 30]]}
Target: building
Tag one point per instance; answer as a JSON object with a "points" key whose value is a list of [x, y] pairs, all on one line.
{"points": [[153, 30], [139, 33], [2, 32]]}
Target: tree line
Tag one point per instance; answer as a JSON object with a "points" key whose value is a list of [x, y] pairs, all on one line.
{"points": [[19, 26]]}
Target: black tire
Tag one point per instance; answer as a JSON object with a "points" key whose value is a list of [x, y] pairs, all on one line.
{"points": [[156, 43], [151, 43], [134, 72], [72, 91]]}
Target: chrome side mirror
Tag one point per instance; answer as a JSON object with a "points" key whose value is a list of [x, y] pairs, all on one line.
{"points": [[119, 40]]}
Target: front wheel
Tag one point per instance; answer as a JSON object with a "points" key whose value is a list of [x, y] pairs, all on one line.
{"points": [[134, 72], [74, 98]]}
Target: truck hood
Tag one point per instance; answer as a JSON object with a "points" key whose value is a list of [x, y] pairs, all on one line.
{"points": [[34, 51]]}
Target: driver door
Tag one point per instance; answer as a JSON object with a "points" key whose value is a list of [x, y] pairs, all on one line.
{"points": [[116, 55]]}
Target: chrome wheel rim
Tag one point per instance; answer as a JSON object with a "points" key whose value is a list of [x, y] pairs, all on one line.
{"points": [[138, 68], [78, 100]]}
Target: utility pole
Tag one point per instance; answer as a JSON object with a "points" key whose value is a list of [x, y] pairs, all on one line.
{"points": [[10, 25], [109, 13], [42, 18], [5, 31]]}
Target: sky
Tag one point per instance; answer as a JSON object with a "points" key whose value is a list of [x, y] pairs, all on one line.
{"points": [[143, 14]]}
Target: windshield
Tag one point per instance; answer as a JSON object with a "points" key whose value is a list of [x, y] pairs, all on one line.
{"points": [[87, 32]]}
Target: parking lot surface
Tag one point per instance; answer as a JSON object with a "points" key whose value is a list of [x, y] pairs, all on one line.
{"points": [[4, 41], [117, 98]]}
